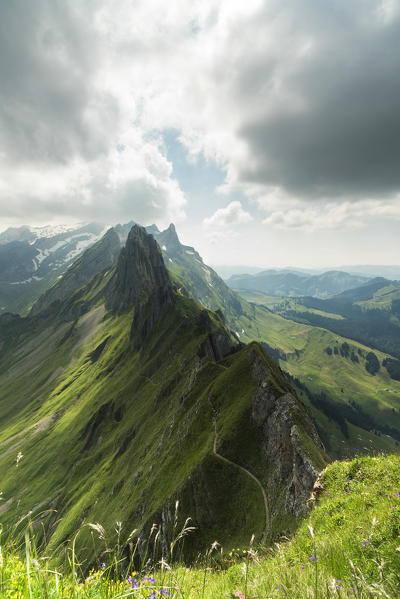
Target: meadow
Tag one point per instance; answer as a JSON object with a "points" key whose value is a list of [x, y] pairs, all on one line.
{"points": [[302, 353], [348, 546]]}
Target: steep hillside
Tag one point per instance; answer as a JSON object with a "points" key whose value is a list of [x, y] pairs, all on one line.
{"points": [[199, 280], [346, 547], [353, 408], [127, 396], [284, 283]]}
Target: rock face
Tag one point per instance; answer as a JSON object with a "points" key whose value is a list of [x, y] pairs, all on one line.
{"points": [[140, 281], [284, 425], [218, 342], [169, 239], [198, 280], [100, 257]]}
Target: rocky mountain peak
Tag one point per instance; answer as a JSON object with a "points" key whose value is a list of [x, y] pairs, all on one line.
{"points": [[169, 240], [141, 280]]}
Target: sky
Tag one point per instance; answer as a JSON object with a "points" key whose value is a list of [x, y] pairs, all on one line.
{"points": [[267, 131]]}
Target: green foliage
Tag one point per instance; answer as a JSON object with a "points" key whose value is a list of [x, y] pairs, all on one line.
{"points": [[393, 368], [345, 349], [347, 547], [108, 432], [299, 349], [372, 363]]}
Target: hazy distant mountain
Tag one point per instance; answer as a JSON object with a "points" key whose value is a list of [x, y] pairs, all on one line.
{"points": [[225, 271], [291, 283], [391, 272], [32, 258], [228, 271]]}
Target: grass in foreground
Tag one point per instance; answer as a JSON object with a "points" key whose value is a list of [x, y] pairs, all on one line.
{"points": [[348, 547]]}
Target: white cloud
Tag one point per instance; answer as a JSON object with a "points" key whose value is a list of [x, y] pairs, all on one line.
{"points": [[291, 99], [228, 217], [334, 215], [74, 145], [133, 180]]}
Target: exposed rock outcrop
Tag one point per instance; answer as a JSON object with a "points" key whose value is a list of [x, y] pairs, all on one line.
{"points": [[169, 239], [141, 280], [218, 342], [286, 429]]}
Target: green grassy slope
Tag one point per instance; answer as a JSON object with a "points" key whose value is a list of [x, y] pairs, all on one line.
{"points": [[95, 431], [347, 547], [302, 353], [341, 379], [306, 359], [369, 314]]}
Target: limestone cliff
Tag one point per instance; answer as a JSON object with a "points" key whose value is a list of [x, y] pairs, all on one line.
{"points": [[140, 280]]}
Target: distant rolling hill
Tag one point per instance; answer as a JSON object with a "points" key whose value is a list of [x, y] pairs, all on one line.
{"points": [[353, 409], [284, 283], [369, 314]]}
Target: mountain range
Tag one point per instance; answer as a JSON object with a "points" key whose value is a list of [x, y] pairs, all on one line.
{"points": [[121, 395], [291, 283], [128, 382], [32, 258]]}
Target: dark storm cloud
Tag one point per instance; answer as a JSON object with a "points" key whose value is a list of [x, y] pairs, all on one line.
{"points": [[49, 108], [326, 118]]}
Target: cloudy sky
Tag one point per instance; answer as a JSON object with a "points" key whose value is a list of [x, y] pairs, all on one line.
{"points": [[268, 131]]}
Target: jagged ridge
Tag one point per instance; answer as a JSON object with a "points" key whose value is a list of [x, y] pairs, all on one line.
{"points": [[121, 434]]}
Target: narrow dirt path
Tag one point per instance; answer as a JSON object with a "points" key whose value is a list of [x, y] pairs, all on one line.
{"points": [[221, 457]]}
